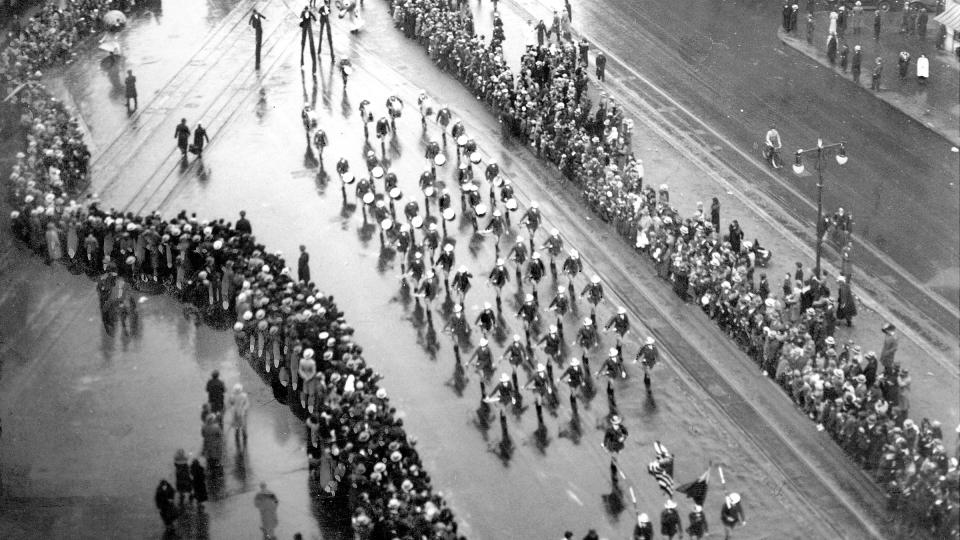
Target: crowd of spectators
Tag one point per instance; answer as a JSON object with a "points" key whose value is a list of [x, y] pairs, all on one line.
{"points": [[296, 335], [788, 327]]}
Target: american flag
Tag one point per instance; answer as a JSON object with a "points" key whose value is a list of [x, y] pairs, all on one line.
{"points": [[664, 480]]}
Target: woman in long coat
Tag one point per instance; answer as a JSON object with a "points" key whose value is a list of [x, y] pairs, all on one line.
{"points": [[54, 248], [212, 441], [199, 478], [846, 305], [164, 501]]}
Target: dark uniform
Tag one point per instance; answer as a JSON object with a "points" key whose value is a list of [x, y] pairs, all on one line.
{"points": [[254, 21], [306, 32], [325, 23]]}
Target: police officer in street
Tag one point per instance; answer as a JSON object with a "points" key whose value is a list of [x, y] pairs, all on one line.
{"points": [[483, 357], [487, 319], [574, 375], [620, 324], [541, 383], [515, 353], [587, 335], [535, 272], [503, 392], [613, 366], [554, 246], [461, 282], [572, 266], [648, 356], [551, 343], [498, 277], [532, 219], [518, 254], [614, 438]]}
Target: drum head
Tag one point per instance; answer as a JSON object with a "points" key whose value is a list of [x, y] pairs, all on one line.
{"points": [[417, 222], [429, 191], [386, 224], [511, 204], [461, 140], [449, 214], [396, 194], [480, 209], [439, 160], [348, 177], [377, 172], [368, 197], [475, 158]]}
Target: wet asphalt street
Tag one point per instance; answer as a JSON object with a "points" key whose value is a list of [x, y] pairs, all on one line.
{"points": [[111, 411]]}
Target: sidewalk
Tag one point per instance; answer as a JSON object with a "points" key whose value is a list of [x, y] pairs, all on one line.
{"points": [[935, 105]]}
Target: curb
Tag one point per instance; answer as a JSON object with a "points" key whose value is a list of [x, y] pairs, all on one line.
{"points": [[951, 135]]}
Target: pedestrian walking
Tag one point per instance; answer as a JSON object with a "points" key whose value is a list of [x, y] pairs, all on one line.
{"points": [[601, 64], [810, 26], [239, 407], [841, 21], [832, 25], [198, 477], [325, 24], [923, 69], [303, 265], [794, 15], [306, 33], [844, 57], [130, 84], [266, 502], [181, 466], [786, 16], [584, 51], [163, 498], [255, 18], [212, 435], [569, 9], [200, 138], [54, 247], [877, 73], [643, 530], [182, 135], [877, 24], [215, 392], [855, 63]]}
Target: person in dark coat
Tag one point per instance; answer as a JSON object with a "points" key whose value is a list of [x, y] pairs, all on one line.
{"points": [[164, 500], [325, 23], [922, 20], [243, 225], [131, 90], [199, 139], [890, 344], [715, 214], [306, 32], [303, 265], [215, 391], [736, 236], [786, 16], [844, 57], [731, 514], [855, 63], [198, 477], [254, 21], [846, 306], [877, 24], [643, 530], [182, 135], [877, 74], [670, 520], [697, 527], [601, 63], [832, 49], [182, 468]]}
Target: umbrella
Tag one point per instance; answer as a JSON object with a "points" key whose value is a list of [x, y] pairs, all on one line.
{"points": [[114, 18]]}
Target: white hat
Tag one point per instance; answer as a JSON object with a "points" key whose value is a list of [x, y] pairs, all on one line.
{"points": [[516, 337], [541, 367], [528, 298], [643, 518], [650, 340], [621, 310], [504, 377], [669, 504], [308, 353], [732, 499], [614, 351], [615, 420], [554, 232], [595, 279], [574, 361], [483, 342]]}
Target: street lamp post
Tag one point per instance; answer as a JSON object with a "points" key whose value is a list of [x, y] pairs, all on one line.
{"points": [[822, 152]]}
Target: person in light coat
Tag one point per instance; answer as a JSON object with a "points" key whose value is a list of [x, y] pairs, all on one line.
{"points": [[923, 69]]}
